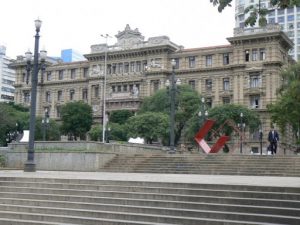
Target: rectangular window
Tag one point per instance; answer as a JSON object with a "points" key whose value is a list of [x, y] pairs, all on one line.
{"points": [[262, 54], [226, 100], [155, 85], [108, 69], [247, 55], [126, 67], [84, 94], [280, 19], [176, 63], [96, 91], [48, 96], [208, 60], [280, 11], [290, 10], [192, 62], [192, 84], [254, 101], [59, 96], [114, 68], [254, 54], [226, 84], [225, 58], [254, 80], [209, 102], [121, 68], [125, 89], [132, 67], [208, 84], [49, 77], [290, 18], [58, 111], [60, 74], [138, 67], [119, 88], [271, 13], [85, 72], [73, 73], [72, 94], [271, 20], [26, 96], [144, 65]]}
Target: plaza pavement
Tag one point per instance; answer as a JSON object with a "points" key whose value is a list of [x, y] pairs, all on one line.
{"points": [[173, 178]]}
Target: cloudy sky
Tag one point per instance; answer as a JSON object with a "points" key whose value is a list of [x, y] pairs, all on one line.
{"points": [[78, 24]]}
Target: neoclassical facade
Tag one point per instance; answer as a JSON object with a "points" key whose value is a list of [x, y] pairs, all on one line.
{"points": [[246, 71]]}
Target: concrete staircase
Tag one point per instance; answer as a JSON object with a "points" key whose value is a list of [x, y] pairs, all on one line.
{"points": [[58, 201], [254, 165]]}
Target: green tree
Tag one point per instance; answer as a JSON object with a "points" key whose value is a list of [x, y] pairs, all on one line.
{"points": [[118, 132], [222, 113], [52, 130], [286, 110], [149, 125], [95, 133], [255, 10], [77, 119], [187, 102], [13, 118], [120, 116]]}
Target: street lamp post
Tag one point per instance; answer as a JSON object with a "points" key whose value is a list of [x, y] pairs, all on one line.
{"points": [[104, 90], [172, 110], [260, 139], [203, 112], [107, 135], [30, 165], [45, 123], [242, 127]]}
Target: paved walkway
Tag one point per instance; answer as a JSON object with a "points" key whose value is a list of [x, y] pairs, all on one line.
{"points": [[151, 177]]}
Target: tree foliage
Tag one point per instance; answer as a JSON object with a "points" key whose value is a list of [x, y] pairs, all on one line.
{"points": [[149, 125], [224, 113], [52, 130], [187, 103], [255, 11], [13, 118], [120, 116], [286, 110], [77, 119]]}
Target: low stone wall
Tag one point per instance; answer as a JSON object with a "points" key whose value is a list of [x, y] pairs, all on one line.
{"points": [[87, 146], [71, 156], [68, 161]]}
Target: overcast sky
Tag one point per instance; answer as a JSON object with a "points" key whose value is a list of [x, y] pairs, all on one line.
{"points": [[78, 24]]}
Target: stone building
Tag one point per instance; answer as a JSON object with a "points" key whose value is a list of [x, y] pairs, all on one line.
{"points": [[246, 71]]}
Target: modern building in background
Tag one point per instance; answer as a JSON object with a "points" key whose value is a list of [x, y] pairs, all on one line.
{"points": [[288, 19], [7, 77], [246, 72], [70, 55]]}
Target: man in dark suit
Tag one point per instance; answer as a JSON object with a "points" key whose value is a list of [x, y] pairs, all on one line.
{"points": [[273, 139]]}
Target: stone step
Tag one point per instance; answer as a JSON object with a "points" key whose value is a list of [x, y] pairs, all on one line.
{"points": [[75, 189], [111, 198], [11, 221], [69, 220], [88, 201], [149, 184], [180, 218], [156, 207], [211, 172]]}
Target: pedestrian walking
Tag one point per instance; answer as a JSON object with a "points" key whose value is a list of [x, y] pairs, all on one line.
{"points": [[273, 138]]}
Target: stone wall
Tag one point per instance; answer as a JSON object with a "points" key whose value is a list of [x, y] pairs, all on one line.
{"points": [[65, 161], [71, 156]]}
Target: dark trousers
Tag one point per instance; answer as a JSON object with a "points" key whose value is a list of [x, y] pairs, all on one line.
{"points": [[273, 146]]}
